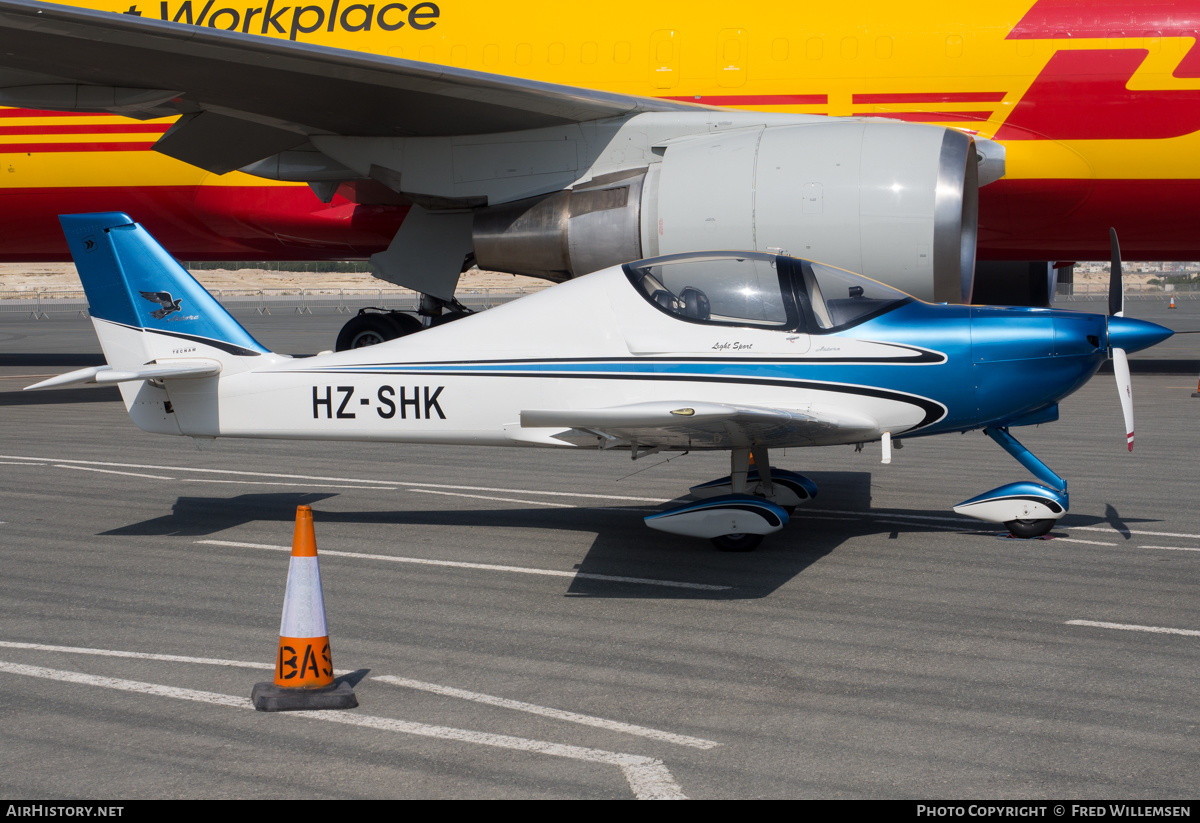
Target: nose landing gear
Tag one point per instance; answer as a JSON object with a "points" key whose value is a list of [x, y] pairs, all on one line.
{"points": [[1028, 509]]}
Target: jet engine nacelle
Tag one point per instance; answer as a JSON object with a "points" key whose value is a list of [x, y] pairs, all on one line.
{"points": [[894, 201]]}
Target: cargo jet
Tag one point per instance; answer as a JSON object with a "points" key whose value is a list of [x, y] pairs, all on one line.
{"points": [[539, 139], [736, 351]]}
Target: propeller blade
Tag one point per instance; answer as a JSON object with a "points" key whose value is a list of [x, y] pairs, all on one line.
{"points": [[1116, 289], [1125, 389]]}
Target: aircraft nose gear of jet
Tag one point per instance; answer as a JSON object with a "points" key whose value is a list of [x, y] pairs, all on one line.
{"points": [[1028, 509], [737, 511]]}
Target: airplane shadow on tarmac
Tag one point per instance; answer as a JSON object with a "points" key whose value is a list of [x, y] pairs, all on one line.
{"points": [[623, 546]]}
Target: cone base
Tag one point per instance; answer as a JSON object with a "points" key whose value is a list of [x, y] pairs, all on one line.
{"points": [[267, 697]]}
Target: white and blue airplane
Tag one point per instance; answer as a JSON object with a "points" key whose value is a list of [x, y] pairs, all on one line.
{"points": [[736, 351]]}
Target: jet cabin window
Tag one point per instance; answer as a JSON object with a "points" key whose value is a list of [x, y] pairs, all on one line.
{"points": [[735, 291]]}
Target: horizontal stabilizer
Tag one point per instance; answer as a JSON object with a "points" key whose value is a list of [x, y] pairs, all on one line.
{"points": [[173, 369]]}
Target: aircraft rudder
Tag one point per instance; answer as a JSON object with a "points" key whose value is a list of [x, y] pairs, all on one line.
{"points": [[99, 270]]}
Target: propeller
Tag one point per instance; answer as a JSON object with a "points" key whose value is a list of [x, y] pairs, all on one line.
{"points": [[1116, 308]]}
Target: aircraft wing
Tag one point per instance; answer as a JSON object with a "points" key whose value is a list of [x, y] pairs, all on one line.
{"points": [[719, 425], [246, 97]]}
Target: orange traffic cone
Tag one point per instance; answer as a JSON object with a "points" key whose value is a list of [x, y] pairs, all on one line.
{"points": [[1172, 302], [1196, 393], [304, 663]]}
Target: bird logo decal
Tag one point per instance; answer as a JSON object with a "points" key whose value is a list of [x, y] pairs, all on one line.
{"points": [[163, 298]]}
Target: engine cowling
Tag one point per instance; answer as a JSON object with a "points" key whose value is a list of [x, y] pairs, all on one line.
{"points": [[894, 201]]}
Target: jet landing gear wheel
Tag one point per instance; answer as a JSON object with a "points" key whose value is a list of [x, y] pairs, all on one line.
{"points": [[1028, 529], [372, 328], [737, 542]]}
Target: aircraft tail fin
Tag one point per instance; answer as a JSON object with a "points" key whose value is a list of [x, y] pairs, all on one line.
{"points": [[167, 340], [144, 304]]}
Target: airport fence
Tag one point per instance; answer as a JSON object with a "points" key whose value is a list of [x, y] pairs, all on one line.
{"points": [[1098, 291], [42, 303]]}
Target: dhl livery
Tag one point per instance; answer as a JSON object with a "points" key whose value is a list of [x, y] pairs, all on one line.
{"points": [[551, 140]]}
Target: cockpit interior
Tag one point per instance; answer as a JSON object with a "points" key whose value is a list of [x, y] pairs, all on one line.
{"points": [[755, 289]]}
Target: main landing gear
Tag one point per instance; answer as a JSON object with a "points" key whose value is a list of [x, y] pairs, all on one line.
{"points": [[737, 511], [1028, 509], [372, 326]]}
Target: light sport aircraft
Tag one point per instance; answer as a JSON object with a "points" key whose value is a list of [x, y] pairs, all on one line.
{"points": [[548, 140], [737, 351]]}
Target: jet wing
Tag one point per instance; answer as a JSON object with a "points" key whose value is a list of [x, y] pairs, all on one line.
{"points": [[712, 425], [246, 97]]}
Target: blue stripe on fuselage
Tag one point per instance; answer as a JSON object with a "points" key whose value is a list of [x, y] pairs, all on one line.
{"points": [[934, 368]]}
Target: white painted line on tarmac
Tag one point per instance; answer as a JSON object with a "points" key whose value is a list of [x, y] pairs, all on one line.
{"points": [[458, 564], [170, 658], [546, 493], [110, 471], [501, 499], [203, 471], [933, 526], [647, 777], [448, 691], [545, 711], [924, 520], [527, 502], [341, 479], [1133, 531], [304, 484], [18, 463], [1173, 548], [1128, 627]]}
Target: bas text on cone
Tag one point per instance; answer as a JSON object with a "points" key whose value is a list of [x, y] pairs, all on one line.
{"points": [[303, 662]]}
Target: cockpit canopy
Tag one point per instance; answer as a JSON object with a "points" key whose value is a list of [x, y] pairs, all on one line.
{"points": [[761, 290]]}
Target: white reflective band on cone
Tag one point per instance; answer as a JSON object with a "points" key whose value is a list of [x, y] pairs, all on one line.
{"points": [[303, 605]]}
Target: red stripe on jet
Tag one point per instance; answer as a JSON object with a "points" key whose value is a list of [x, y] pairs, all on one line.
{"points": [[34, 148], [113, 128], [41, 113], [1059, 19], [204, 222], [1083, 95], [1032, 219], [755, 99], [933, 97], [1107, 18], [928, 116]]}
